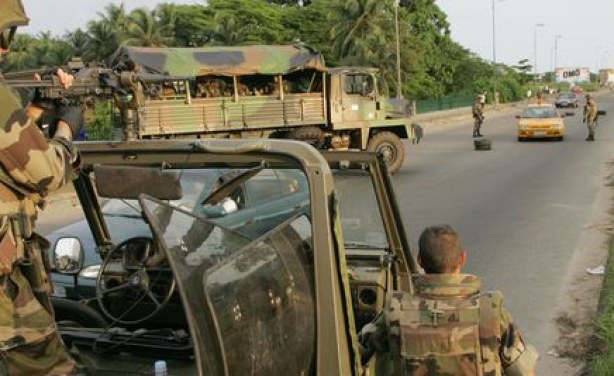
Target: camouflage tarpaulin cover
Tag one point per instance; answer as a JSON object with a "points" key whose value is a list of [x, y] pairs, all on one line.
{"points": [[223, 61]]}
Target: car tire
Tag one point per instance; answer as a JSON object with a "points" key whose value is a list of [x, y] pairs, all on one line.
{"points": [[482, 144], [521, 139], [391, 147]]}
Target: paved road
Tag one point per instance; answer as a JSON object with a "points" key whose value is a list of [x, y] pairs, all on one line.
{"points": [[529, 213]]}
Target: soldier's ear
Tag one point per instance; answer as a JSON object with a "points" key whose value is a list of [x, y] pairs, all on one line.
{"points": [[463, 259]]}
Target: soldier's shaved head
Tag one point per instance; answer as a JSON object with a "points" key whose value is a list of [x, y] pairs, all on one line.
{"points": [[440, 250]]}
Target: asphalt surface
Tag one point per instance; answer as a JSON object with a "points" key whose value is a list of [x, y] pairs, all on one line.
{"points": [[532, 215]]}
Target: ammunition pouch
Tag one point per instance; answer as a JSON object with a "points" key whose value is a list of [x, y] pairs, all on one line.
{"points": [[459, 334], [36, 268]]}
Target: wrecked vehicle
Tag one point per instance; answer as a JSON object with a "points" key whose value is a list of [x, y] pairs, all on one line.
{"points": [[285, 289]]}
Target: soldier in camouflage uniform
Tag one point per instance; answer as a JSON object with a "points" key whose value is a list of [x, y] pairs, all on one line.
{"points": [[590, 116], [448, 327], [30, 168], [478, 115]]}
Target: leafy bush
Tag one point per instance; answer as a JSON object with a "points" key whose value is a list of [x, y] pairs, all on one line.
{"points": [[99, 126]]}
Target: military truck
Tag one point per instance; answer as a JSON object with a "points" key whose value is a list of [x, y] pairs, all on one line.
{"points": [[286, 289], [282, 91]]}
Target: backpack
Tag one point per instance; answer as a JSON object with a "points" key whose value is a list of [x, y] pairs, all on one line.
{"points": [[445, 335]]}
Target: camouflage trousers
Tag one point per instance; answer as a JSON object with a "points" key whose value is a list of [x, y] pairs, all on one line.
{"points": [[477, 125], [29, 341], [591, 125]]}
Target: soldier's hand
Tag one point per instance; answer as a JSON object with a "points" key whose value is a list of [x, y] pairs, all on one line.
{"points": [[70, 116], [65, 79]]}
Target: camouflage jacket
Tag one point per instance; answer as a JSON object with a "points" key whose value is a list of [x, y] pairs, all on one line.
{"points": [[505, 352], [478, 110], [590, 110], [30, 168]]}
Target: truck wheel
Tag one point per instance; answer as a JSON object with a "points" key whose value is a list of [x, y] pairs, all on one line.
{"points": [[311, 135], [389, 145]]}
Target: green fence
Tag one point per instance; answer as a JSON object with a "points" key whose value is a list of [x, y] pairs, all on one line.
{"points": [[443, 103]]}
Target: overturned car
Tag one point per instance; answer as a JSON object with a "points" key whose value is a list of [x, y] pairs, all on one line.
{"points": [[280, 280]]}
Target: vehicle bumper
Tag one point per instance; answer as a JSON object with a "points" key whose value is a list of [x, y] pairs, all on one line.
{"points": [[541, 133]]}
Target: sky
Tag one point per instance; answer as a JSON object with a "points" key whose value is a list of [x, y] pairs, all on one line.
{"points": [[585, 27]]}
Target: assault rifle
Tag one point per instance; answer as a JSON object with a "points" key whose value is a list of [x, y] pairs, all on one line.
{"points": [[127, 89]]}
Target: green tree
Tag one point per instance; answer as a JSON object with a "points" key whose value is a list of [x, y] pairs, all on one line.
{"points": [[102, 41], [524, 67], [252, 21], [143, 29], [358, 32], [78, 40]]}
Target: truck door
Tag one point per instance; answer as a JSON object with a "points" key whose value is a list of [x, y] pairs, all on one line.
{"points": [[358, 97]]}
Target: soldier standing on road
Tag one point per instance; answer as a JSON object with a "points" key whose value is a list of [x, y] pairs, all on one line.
{"points": [[451, 327], [30, 168], [590, 116], [478, 115]]}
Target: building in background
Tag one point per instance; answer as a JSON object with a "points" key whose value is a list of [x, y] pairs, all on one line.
{"points": [[572, 75], [606, 77]]}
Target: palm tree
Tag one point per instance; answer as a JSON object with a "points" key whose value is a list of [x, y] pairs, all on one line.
{"points": [[226, 31], [101, 43], [167, 16], [78, 40], [359, 34], [116, 17], [144, 30]]}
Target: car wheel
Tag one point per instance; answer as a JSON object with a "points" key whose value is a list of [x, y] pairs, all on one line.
{"points": [[520, 139], [389, 145]]}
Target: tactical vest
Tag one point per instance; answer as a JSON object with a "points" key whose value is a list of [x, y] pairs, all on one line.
{"points": [[446, 335], [18, 211]]}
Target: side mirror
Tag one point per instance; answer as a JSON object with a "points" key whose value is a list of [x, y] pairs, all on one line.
{"points": [[517, 116], [67, 256], [570, 113]]}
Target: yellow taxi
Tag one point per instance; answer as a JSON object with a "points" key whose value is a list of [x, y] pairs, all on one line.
{"points": [[540, 121]]}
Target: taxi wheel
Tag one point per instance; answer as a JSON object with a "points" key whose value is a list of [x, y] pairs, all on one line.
{"points": [[521, 139]]}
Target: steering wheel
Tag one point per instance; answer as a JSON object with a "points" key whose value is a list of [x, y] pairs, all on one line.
{"points": [[127, 266]]}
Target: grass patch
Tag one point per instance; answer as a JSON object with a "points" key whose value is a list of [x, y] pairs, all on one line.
{"points": [[601, 361]]}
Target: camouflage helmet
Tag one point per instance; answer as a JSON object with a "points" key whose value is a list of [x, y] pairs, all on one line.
{"points": [[11, 16]]}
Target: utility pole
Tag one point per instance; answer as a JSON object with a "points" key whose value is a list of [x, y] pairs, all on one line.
{"points": [[396, 28], [535, 49], [556, 40], [494, 56]]}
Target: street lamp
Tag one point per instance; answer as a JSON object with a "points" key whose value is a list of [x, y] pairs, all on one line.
{"points": [[494, 53], [396, 27], [556, 40], [535, 48]]}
